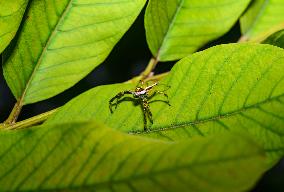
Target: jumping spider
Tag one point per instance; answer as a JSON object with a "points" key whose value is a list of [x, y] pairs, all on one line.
{"points": [[143, 93]]}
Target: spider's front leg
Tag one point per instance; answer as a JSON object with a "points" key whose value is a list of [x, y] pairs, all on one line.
{"points": [[117, 97]]}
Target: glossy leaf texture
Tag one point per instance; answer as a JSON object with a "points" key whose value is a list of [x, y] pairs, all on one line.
{"points": [[227, 88], [176, 28], [11, 13], [276, 39], [88, 157], [261, 17], [62, 41]]}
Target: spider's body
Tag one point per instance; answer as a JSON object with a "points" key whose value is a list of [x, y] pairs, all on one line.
{"points": [[143, 93]]}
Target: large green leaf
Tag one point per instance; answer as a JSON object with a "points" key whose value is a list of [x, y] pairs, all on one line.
{"points": [[11, 13], [225, 88], [176, 28], [276, 39], [62, 41], [261, 17], [88, 157]]}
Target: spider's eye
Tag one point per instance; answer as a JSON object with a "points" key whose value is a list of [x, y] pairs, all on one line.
{"points": [[138, 89]]}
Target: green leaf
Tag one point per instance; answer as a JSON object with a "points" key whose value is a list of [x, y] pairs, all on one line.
{"points": [[261, 16], [11, 13], [276, 39], [62, 41], [176, 28], [235, 87], [90, 157]]}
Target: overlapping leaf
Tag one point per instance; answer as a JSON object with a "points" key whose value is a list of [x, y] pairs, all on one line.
{"points": [[261, 17], [88, 157], [225, 88], [176, 28], [62, 41], [11, 13], [276, 39]]}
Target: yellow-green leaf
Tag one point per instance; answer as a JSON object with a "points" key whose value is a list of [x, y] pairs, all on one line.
{"points": [[176, 28], [11, 13], [62, 41], [261, 17], [235, 87], [91, 157]]}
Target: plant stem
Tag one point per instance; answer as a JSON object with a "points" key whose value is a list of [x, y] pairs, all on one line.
{"points": [[158, 77], [28, 122], [243, 39], [149, 69], [155, 77], [14, 113]]}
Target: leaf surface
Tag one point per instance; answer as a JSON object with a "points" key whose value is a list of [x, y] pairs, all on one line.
{"points": [[62, 41], [11, 13], [176, 28], [261, 16], [276, 39], [88, 157], [235, 87]]}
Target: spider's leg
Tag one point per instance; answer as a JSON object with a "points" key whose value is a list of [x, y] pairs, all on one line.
{"points": [[147, 112], [164, 94], [167, 87], [117, 97], [150, 114], [144, 114]]}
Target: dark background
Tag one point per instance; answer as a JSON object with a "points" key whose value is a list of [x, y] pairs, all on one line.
{"points": [[128, 58]]}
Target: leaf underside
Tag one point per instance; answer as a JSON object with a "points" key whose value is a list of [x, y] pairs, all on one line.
{"points": [[261, 16], [11, 13], [276, 39], [62, 41], [235, 87], [176, 28], [90, 157]]}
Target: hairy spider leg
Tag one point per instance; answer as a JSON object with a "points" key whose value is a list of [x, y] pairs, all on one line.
{"points": [[145, 117], [150, 87], [146, 112], [146, 84], [164, 94], [167, 87], [150, 113], [117, 97]]}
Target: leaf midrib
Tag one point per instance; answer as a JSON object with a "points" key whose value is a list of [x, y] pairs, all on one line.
{"points": [[205, 120], [52, 34], [169, 28]]}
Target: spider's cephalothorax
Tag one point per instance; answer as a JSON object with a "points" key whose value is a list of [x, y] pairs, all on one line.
{"points": [[143, 92]]}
